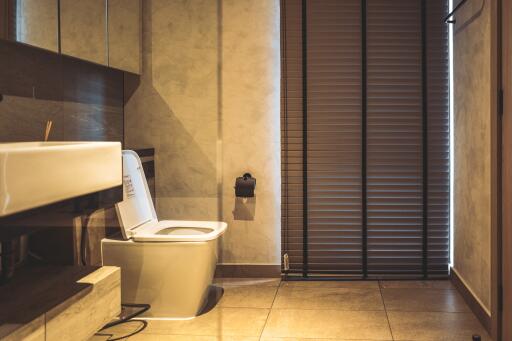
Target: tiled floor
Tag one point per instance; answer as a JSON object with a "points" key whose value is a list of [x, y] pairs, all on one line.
{"points": [[271, 310]]}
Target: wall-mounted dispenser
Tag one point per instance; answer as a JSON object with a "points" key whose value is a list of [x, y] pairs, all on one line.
{"points": [[245, 186]]}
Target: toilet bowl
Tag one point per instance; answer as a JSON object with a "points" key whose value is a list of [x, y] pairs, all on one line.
{"points": [[168, 264]]}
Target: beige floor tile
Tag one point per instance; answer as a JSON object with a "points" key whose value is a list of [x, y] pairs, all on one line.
{"points": [[156, 337], [269, 282], [424, 300], [435, 326], [332, 284], [328, 298], [247, 297], [295, 339], [217, 322], [417, 284], [294, 323], [99, 338]]}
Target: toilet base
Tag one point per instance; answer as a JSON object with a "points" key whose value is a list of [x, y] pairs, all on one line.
{"points": [[173, 277]]}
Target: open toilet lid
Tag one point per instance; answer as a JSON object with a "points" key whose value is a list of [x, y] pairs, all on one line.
{"points": [[137, 207]]}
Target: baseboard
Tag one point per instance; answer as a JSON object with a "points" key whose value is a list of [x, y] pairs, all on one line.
{"points": [[248, 270], [473, 303]]}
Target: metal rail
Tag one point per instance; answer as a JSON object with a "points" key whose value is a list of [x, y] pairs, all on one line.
{"points": [[452, 13]]}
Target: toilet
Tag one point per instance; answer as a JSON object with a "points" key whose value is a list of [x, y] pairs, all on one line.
{"points": [[168, 264]]}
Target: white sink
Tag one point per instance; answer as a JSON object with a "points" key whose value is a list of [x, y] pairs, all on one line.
{"points": [[34, 174]]}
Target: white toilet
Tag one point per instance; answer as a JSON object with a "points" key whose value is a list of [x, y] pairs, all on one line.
{"points": [[168, 264]]}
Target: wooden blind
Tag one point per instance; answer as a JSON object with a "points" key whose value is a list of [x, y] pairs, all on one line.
{"points": [[292, 210], [365, 137], [334, 136], [3, 19], [394, 137], [438, 94], [7, 19], [10, 7]]}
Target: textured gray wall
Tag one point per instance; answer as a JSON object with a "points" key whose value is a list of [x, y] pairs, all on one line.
{"points": [[472, 182], [209, 104]]}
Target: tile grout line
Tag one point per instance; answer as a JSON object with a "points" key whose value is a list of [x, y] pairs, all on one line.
{"points": [[386, 311], [270, 310], [366, 310]]}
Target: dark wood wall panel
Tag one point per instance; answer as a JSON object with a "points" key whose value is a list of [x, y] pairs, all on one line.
{"points": [[84, 100]]}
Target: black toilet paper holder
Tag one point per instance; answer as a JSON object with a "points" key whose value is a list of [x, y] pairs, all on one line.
{"points": [[245, 186]]}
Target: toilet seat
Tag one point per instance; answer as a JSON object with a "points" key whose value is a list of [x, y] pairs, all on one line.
{"points": [[137, 215], [179, 231]]}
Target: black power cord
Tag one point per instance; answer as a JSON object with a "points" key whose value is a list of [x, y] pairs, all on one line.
{"points": [[129, 318], [83, 241]]}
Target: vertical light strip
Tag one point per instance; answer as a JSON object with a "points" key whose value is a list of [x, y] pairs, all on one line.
{"points": [[452, 173], [19, 21]]}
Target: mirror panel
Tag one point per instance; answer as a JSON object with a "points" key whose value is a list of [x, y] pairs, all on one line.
{"points": [[107, 32], [32, 22], [84, 29], [124, 35]]}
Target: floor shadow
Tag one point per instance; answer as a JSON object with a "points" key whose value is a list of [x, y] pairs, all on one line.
{"points": [[214, 295]]}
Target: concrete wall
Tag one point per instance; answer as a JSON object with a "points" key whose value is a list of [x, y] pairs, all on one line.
{"points": [[209, 103], [472, 183]]}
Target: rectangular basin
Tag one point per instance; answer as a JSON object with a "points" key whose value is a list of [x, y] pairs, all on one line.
{"points": [[34, 174]]}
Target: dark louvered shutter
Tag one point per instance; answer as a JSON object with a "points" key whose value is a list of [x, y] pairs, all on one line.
{"points": [[394, 137], [8, 19], [3, 19], [292, 212], [365, 199], [12, 22], [334, 137], [438, 92]]}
